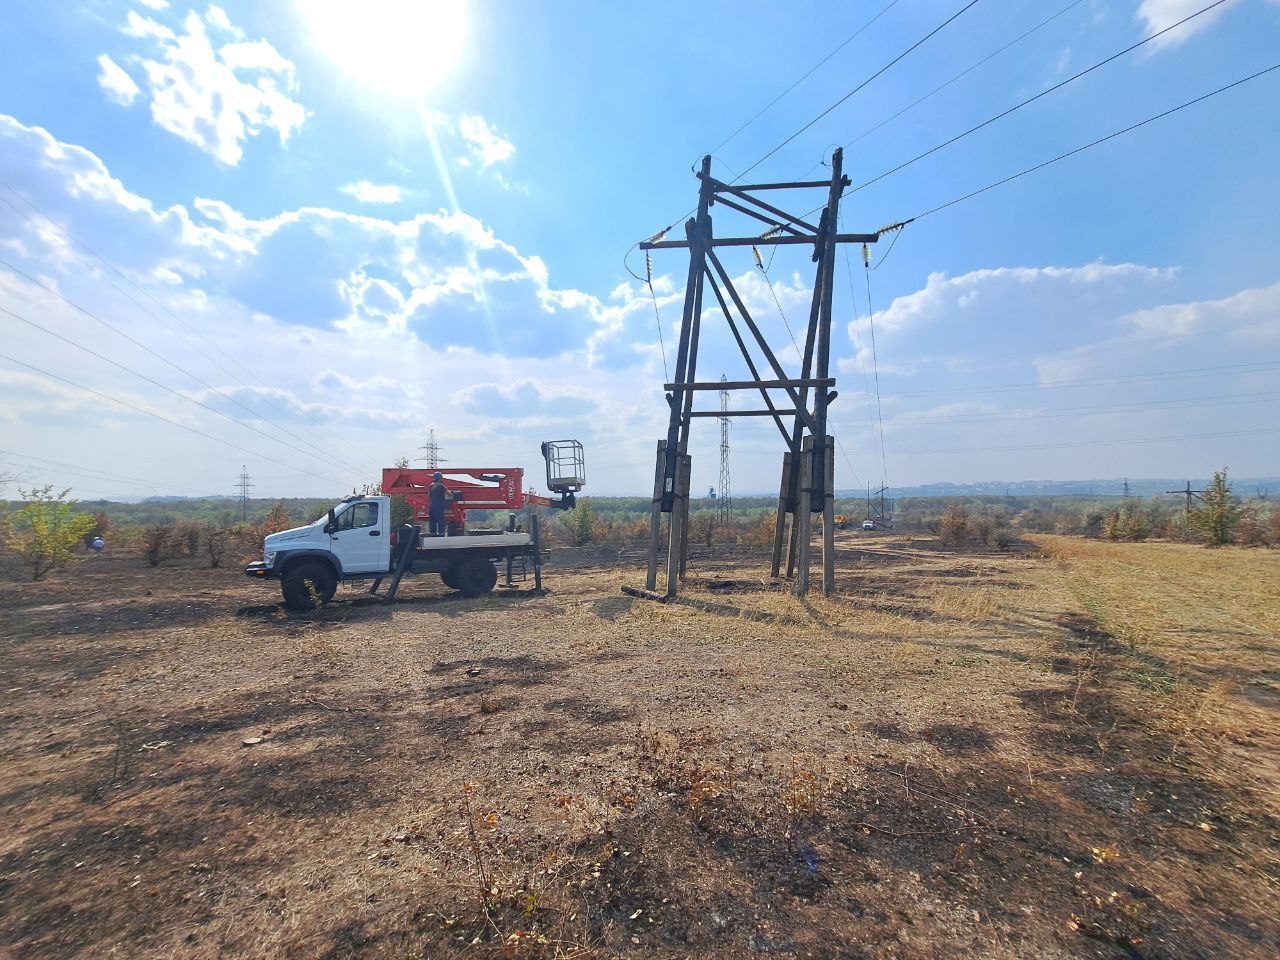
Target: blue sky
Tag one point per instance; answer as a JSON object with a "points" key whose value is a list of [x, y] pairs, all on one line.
{"points": [[295, 237]]}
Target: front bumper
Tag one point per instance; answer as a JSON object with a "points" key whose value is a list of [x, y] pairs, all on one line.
{"points": [[258, 570]]}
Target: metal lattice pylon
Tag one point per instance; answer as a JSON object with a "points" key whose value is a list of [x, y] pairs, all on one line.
{"points": [[431, 451]]}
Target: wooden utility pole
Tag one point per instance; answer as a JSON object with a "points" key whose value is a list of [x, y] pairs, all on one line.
{"points": [[807, 480]]}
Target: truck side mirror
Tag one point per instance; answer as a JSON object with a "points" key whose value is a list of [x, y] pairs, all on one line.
{"points": [[332, 525]]}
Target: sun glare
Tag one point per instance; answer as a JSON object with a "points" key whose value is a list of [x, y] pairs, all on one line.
{"points": [[398, 47]]}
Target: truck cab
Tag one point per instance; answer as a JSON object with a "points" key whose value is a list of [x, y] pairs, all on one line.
{"points": [[353, 535]]}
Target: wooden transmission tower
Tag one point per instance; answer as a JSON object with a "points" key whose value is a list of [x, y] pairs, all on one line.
{"points": [[807, 480]]}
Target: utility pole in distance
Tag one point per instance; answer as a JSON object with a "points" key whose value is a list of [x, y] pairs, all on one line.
{"points": [[725, 492], [431, 451], [244, 483], [1190, 495]]}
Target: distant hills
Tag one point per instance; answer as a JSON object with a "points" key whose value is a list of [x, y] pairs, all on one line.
{"points": [[1243, 487]]}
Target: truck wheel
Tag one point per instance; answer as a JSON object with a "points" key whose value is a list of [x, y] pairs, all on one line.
{"points": [[306, 584], [476, 576], [450, 578]]}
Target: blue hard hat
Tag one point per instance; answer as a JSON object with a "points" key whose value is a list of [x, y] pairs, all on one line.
{"points": [[438, 475]]}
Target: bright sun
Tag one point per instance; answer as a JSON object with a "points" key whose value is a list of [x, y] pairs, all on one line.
{"points": [[399, 47]]}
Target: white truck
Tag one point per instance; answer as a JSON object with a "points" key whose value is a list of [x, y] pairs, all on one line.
{"points": [[353, 542]]}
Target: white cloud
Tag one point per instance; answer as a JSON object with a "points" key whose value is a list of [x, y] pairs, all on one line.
{"points": [[942, 295], [367, 192], [1252, 314], [119, 86], [155, 4], [1158, 14], [216, 97], [486, 145], [215, 16]]}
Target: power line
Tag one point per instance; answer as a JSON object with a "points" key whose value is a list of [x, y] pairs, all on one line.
{"points": [[1087, 443], [119, 273], [963, 73], [1034, 98], [857, 334], [156, 416], [648, 273], [1100, 140], [811, 71], [73, 469], [873, 76], [152, 381], [1159, 375], [875, 363], [1100, 409], [626, 266]]}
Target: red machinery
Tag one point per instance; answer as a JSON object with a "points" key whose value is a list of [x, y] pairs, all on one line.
{"points": [[490, 488]]}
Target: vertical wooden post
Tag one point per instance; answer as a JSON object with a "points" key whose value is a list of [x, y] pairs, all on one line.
{"points": [[677, 526], [537, 551], [780, 524], [687, 462], [803, 523], [655, 517], [829, 520]]}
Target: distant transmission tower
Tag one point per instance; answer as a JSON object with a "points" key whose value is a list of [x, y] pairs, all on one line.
{"points": [[244, 483], [431, 451], [1126, 488], [725, 493]]}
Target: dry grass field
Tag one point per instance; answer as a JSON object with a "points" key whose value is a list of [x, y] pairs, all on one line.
{"points": [[1068, 750]]}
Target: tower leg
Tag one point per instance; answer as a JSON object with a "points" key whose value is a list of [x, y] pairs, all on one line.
{"points": [[655, 518], [803, 522], [780, 523], [829, 520], [684, 517], [677, 525]]}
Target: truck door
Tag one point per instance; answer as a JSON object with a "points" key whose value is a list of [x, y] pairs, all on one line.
{"points": [[359, 540]]}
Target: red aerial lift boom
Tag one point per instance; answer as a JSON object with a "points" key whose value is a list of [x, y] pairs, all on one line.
{"points": [[490, 488]]}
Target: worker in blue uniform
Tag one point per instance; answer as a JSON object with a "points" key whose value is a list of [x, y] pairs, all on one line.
{"points": [[437, 493]]}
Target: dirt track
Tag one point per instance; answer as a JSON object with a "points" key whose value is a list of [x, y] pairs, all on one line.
{"points": [[946, 758]]}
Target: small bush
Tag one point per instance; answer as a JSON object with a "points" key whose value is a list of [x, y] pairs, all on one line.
{"points": [[44, 530], [215, 544], [159, 543], [953, 525], [188, 534]]}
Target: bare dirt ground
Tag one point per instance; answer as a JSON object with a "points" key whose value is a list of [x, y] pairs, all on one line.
{"points": [[1060, 754]]}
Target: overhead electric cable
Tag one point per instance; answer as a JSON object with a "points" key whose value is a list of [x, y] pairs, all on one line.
{"points": [[810, 72], [1042, 93], [1100, 140], [626, 266], [91, 473], [1259, 366], [123, 276], [864, 83], [154, 382], [857, 332], [875, 363], [1091, 410], [1088, 443], [149, 413], [963, 73]]}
